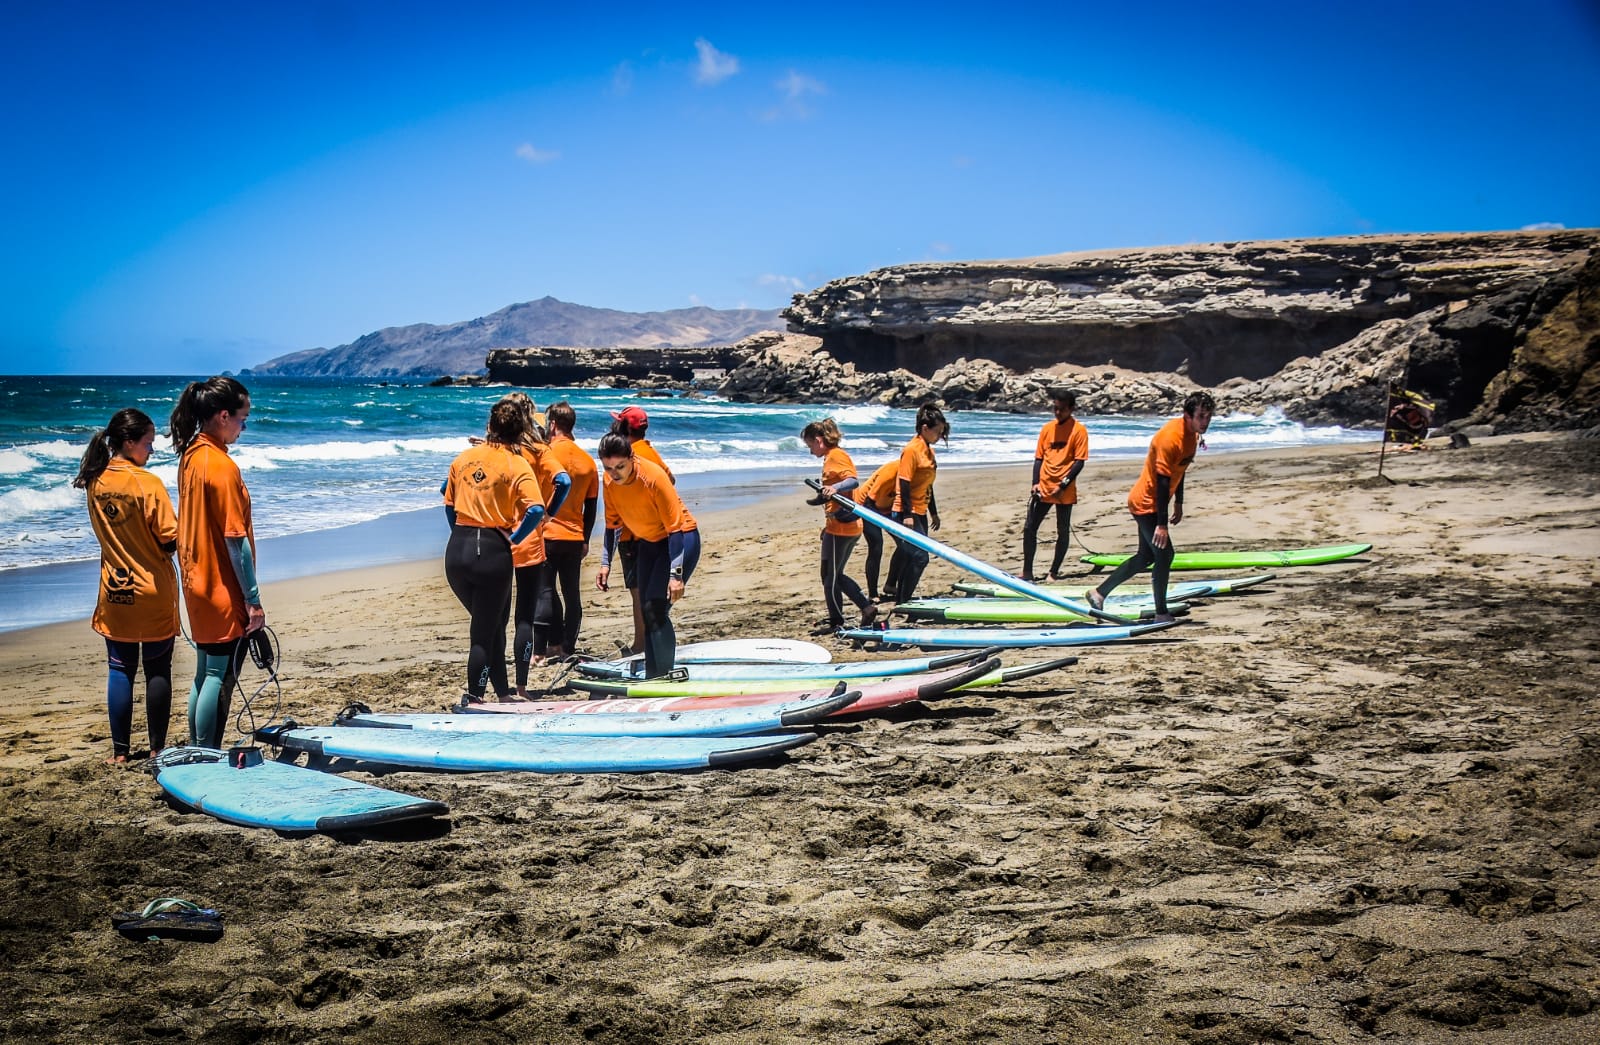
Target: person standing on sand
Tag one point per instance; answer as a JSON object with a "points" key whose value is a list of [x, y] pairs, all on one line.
{"points": [[640, 497], [633, 423], [528, 554], [914, 502], [839, 536], [566, 541], [216, 547], [1062, 450], [137, 611], [492, 499], [1172, 450], [877, 494]]}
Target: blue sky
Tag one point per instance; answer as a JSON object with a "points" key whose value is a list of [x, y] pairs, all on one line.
{"points": [[191, 187]]}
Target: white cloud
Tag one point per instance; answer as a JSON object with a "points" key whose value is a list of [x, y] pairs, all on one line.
{"points": [[794, 87], [1544, 226], [526, 151], [622, 79], [713, 66], [786, 282], [797, 85]]}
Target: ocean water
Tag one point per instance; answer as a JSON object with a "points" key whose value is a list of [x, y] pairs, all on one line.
{"points": [[352, 459]]}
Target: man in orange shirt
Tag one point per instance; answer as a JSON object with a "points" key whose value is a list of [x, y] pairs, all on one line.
{"points": [[566, 540], [1063, 448], [1171, 452]]}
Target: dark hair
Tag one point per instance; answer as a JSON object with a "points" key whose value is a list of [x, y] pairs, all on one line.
{"points": [[508, 422], [126, 426], [562, 417], [615, 444], [1199, 401], [929, 414], [199, 403], [620, 426], [1064, 395], [826, 429], [533, 436]]}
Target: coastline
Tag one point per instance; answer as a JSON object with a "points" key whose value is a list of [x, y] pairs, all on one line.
{"points": [[1359, 801]]}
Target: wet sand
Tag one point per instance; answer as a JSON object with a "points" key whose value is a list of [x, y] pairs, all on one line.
{"points": [[1357, 803]]}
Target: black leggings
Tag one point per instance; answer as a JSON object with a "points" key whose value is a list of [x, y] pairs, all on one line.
{"points": [[560, 613], [524, 615], [123, 660], [836, 584], [907, 563], [1159, 560], [655, 570], [477, 563], [1038, 508], [874, 541]]}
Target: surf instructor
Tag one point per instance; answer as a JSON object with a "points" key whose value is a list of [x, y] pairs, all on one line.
{"points": [[639, 497], [216, 546], [1171, 452]]}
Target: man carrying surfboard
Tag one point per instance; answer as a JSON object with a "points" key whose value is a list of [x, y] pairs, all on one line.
{"points": [[1172, 450]]}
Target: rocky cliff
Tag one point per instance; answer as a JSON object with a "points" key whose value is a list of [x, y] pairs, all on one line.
{"points": [[426, 350], [1316, 326]]}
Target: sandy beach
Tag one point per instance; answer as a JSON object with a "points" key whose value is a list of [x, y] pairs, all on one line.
{"points": [[1358, 803]]}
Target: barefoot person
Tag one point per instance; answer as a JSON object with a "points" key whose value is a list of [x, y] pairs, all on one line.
{"points": [[492, 500], [559, 615], [137, 611], [640, 497], [216, 547], [914, 502], [839, 536], [633, 423], [877, 494], [1171, 451], [1058, 458], [528, 554]]}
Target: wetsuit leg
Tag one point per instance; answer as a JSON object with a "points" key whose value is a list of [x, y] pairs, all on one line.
{"points": [[629, 552], [523, 645], [836, 584], [874, 540], [1139, 560], [660, 640], [1063, 537], [478, 566], [916, 560], [1037, 508], [547, 619], [122, 659], [158, 691], [211, 696], [566, 562]]}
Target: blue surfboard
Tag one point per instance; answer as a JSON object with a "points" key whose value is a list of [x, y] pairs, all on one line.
{"points": [[967, 562], [488, 752], [1007, 638], [280, 796], [854, 669]]}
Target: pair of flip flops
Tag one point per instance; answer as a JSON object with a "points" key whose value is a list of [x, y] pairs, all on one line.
{"points": [[170, 918]]}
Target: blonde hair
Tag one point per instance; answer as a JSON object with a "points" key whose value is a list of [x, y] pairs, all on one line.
{"points": [[825, 429]]}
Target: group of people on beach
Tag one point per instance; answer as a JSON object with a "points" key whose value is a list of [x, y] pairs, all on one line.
{"points": [[522, 503], [902, 490]]}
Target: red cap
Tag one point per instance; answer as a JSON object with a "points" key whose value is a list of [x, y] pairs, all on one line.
{"points": [[633, 416]]}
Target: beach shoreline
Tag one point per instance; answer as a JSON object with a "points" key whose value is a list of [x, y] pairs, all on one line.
{"points": [[1361, 801]]}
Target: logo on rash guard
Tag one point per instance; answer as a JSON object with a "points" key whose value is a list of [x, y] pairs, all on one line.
{"points": [[478, 476], [119, 586]]}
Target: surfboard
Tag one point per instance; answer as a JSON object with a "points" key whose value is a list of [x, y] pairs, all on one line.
{"points": [[1187, 589], [1021, 611], [808, 672], [653, 688], [489, 752], [743, 651], [1249, 560], [1004, 638], [968, 562], [693, 722], [281, 796]]}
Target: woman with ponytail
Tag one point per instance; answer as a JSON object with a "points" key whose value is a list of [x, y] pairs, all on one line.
{"points": [[137, 611], [528, 554], [216, 547]]}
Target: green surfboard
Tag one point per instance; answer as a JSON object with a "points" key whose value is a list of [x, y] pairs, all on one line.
{"points": [[1250, 560]]}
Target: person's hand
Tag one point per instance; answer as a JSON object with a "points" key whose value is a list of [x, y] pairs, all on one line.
{"points": [[1160, 539], [255, 619], [933, 520], [1177, 514], [674, 590], [583, 552], [827, 491], [601, 576]]}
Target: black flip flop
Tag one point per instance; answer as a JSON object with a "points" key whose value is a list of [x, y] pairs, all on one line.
{"points": [[170, 918]]}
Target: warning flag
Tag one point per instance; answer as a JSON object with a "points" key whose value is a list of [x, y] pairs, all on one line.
{"points": [[1409, 417]]}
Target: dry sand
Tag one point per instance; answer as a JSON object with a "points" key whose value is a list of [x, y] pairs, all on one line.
{"points": [[1360, 803]]}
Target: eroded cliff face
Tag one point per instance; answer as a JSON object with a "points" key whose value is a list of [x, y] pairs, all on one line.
{"points": [[1216, 313]]}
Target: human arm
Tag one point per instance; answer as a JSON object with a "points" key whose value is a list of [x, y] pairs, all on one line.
{"points": [[676, 547], [608, 545], [933, 511], [563, 486], [1163, 495], [242, 558]]}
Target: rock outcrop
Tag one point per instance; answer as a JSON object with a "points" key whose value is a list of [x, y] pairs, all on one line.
{"points": [[1318, 327], [552, 365]]}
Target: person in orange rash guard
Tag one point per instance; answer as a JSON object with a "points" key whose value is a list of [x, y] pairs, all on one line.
{"points": [[1172, 450], [567, 529], [839, 533], [137, 611], [876, 494], [1062, 450], [528, 554], [914, 501]]}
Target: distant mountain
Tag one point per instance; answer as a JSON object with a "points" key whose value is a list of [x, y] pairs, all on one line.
{"points": [[426, 350]]}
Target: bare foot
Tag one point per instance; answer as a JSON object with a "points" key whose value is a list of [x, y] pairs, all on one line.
{"points": [[117, 760]]}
